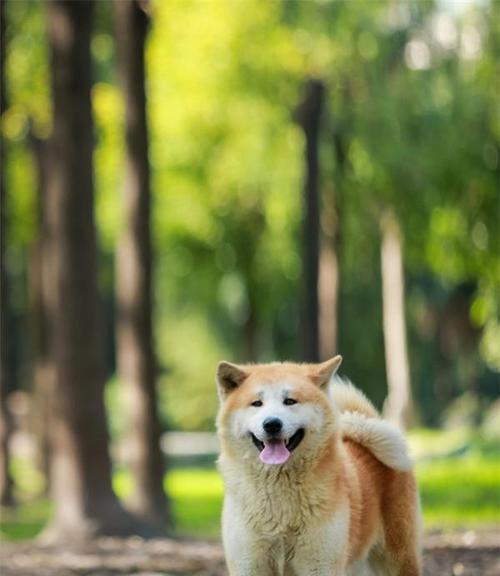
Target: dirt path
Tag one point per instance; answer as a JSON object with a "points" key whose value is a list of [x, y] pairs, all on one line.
{"points": [[466, 554]]}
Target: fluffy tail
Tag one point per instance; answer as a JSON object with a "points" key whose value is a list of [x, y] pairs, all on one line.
{"points": [[361, 423]]}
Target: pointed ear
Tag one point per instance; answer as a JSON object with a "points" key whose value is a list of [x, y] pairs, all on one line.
{"points": [[323, 372], [229, 377]]}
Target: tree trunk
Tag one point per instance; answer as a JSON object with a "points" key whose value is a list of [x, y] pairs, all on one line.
{"points": [[249, 327], [41, 293], [6, 483], [85, 504], [399, 402], [309, 117], [330, 255], [329, 288], [136, 358]]}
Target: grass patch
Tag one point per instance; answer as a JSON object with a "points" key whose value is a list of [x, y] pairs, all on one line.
{"points": [[26, 520], [196, 497], [459, 477], [461, 491]]}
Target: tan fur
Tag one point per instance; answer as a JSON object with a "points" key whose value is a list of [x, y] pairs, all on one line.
{"points": [[348, 398], [361, 422], [335, 507]]}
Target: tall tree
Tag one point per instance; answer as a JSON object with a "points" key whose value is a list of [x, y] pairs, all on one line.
{"points": [[398, 402], [6, 483], [41, 302], [309, 115], [329, 281], [85, 504], [136, 357], [330, 247]]}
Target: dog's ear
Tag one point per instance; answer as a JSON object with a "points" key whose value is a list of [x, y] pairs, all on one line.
{"points": [[323, 372], [229, 377]]}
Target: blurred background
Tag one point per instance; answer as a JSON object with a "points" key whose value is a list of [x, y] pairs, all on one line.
{"points": [[190, 181]]}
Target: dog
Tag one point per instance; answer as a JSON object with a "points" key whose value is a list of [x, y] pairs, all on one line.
{"points": [[316, 483]]}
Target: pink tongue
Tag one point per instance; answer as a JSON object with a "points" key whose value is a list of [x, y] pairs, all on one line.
{"points": [[274, 452]]}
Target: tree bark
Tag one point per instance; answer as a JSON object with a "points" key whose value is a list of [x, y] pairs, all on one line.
{"points": [[329, 289], [85, 504], [249, 330], [398, 406], [309, 117], [330, 255], [6, 482], [41, 294], [136, 358]]}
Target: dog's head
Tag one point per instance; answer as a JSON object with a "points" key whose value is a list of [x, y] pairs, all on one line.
{"points": [[274, 412]]}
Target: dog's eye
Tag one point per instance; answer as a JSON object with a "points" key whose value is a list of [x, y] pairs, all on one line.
{"points": [[289, 401], [257, 403]]}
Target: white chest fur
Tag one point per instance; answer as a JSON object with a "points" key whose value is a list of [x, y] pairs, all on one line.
{"points": [[278, 501]]}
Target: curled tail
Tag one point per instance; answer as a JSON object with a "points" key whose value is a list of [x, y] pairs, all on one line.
{"points": [[361, 422]]}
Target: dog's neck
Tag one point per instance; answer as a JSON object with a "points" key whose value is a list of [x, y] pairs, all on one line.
{"points": [[279, 499]]}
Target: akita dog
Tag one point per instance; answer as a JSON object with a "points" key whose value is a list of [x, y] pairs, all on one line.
{"points": [[316, 483]]}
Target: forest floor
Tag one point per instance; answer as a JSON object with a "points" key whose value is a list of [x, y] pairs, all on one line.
{"points": [[471, 553]]}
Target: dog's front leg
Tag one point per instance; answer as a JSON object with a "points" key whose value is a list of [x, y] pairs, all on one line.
{"points": [[323, 550], [252, 559], [248, 554]]}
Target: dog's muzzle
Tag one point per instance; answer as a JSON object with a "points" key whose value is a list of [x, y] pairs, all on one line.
{"points": [[276, 450]]}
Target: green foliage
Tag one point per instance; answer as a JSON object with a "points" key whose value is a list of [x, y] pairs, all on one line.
{"points": [[418, 120], [191, 373]]}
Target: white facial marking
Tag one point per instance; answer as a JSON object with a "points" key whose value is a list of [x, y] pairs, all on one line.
{"points": [[301, 415]]}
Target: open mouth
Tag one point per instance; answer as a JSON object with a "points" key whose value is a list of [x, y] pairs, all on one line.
{"points": [[277, 451]]}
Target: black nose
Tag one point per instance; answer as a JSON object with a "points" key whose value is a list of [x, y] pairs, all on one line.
{"points": [[272, 425]]}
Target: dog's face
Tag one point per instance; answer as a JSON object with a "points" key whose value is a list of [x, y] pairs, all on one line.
{"points": [[274, 412]]}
